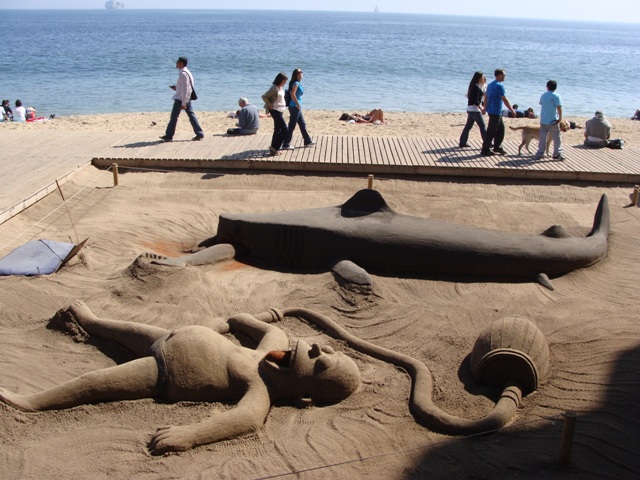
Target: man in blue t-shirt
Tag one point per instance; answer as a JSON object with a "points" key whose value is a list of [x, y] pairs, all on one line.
{"points": [[550, 118], [495, 130]]}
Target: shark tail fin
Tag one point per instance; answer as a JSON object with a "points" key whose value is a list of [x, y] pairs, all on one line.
{"points": [[602, 219]]}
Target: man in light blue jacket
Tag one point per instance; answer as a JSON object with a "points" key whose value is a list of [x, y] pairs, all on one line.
{"points": [[550, 118]]}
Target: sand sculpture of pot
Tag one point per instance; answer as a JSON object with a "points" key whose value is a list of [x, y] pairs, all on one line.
{"points": [[512, 354]]}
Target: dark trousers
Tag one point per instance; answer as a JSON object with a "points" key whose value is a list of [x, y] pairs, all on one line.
{"points": [[495, 133], [279, 129], [472, 117], [173, 121], [296, 118]]}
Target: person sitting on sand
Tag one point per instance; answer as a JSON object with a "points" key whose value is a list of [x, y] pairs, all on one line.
{"points": [[30, 114], [7, 113], [597, 131], [248, 119], [20, 114], [197, 363], [375, 116], [636, 116]]}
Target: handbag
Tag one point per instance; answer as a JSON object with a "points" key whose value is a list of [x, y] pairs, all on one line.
{"points": [[193, 90]]}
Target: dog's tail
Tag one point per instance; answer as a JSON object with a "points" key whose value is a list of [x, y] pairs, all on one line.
{"points": [[516, 128]]}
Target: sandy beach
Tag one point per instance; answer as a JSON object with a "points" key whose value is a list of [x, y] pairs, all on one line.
{"points": [[590, 322], [320, 122]]}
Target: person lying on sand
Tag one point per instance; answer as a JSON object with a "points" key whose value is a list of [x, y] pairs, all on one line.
{"points": [[197, 363], [375, 115]]}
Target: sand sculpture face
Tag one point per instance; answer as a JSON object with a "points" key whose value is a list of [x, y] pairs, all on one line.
{"points": [[321, 374]]}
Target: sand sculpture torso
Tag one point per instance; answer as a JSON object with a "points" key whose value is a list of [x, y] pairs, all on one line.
{"points": [[190, 369]]}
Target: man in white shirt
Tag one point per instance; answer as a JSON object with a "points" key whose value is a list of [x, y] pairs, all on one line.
{"points": [[182, 101]]}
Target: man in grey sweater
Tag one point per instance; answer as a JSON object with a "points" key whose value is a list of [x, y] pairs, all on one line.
{"points": [[597, 131], [248, 119]]}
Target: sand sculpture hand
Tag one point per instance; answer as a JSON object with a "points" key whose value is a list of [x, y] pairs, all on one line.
{"points": [[172, 439]]}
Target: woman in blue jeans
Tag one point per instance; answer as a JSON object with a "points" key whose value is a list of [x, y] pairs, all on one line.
{"points": [[295, 112], [476, 101]]}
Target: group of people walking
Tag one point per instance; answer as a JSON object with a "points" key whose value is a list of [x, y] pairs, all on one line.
{"points": [[276, 99], [489, 99], [481, 99]]}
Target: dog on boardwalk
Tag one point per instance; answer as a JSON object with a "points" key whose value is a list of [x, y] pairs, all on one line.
{"points": [[529, 133]]}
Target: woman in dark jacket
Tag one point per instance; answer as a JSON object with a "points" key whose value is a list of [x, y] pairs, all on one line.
{"points": [[476, 101]]}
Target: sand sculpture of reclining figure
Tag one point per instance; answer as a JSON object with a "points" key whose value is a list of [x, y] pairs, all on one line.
{"points": [[197, 363]]}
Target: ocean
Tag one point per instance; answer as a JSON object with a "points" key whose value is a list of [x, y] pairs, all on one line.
{"points": [[70, 62]]}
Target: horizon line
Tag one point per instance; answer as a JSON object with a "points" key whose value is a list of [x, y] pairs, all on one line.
{"points": [[505, 17]]}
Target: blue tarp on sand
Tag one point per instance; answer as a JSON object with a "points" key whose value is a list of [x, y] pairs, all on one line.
{"points": [[38, 257]]}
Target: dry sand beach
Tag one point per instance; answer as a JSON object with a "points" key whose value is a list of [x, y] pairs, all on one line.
{"points": [[590, 321], [320, 122]]}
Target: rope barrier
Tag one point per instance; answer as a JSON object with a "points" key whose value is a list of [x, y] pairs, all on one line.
{"points": [[64, 205], [551, 418]]}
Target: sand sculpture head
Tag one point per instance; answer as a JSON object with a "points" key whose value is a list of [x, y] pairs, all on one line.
{"points": [[314, 372]]}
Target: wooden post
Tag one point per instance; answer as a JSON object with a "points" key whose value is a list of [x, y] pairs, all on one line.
{"points": [[114, 167], [568, 428], [370, 182], [634, 196]]}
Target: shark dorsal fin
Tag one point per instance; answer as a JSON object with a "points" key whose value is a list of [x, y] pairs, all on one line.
{"points": [[556, 231], [364, 202]]}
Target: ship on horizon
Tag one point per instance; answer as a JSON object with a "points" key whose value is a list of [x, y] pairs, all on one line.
{"points": [[111, 5]]}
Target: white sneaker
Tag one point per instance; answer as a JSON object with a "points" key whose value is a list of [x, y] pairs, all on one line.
{"points": [[288, 147]]}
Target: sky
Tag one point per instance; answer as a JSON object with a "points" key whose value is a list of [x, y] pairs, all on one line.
{"points": [[627, 11]]}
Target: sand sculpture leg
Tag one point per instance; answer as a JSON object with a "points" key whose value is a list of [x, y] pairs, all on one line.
{"points": [[129, 381], [80, 321], [207, 256]]}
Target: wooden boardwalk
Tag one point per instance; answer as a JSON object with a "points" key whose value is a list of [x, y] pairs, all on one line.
{"points": [[33, 160], [388, 155]]}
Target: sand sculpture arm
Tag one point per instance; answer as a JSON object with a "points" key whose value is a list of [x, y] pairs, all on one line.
{"points": [[258, 328], [247, 417]]}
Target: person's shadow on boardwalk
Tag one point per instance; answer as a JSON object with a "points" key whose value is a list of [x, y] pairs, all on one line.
{"points": [[525, 162]]}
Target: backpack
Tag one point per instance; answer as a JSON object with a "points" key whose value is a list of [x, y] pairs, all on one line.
{"points": [[287, 97], [615, 143]]}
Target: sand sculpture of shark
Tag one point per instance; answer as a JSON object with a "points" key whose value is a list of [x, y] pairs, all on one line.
{"points": [[366, 234]]}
